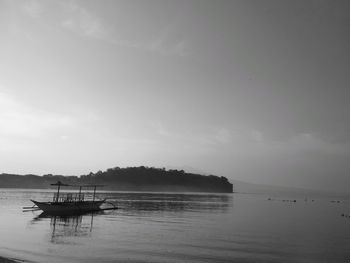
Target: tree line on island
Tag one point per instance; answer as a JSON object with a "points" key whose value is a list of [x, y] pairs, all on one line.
{"points": [[127, 179]]}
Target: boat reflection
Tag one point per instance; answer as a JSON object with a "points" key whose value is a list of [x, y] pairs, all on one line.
{"points": [[62, 228]]}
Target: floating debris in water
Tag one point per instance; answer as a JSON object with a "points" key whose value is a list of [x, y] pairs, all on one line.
{"points": [[283, 200], [288, 200], [345, 215], [308, 200], [335, 201]]}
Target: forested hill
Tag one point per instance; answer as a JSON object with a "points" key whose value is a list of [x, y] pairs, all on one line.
{"points": [[127, 179]]}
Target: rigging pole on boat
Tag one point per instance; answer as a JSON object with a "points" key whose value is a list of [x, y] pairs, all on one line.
{"points": [[80, 199], [93, 198], [58, 189]]}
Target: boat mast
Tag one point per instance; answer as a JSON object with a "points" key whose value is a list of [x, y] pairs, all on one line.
{"points": [[95, 186], [58, 189], [93, 198], [80, 193]]}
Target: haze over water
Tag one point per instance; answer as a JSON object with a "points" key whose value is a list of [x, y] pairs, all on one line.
{"points": [[179, 227]]}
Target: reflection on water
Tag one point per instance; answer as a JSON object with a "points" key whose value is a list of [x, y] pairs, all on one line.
{"points": [[67, 226]]}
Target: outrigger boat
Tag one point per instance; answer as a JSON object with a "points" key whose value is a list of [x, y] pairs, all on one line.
{"points": [[71, 203]]}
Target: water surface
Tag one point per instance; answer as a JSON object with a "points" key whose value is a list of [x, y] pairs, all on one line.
{"points": [[180, 227]]}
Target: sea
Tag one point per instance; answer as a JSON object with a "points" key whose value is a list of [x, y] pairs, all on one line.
{"points": [[179, 227]]}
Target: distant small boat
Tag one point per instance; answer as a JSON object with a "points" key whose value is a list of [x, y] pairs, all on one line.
{"points": [[70, 203]]}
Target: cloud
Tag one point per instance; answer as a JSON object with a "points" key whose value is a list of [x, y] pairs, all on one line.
{"points": [[159, 45], [164, 46], [20, 120], [310, 144], [256, 136], [69, 16], [159, 129], [222, 135], [75, 18], [79, 20], [33, 8], [204, 141]]}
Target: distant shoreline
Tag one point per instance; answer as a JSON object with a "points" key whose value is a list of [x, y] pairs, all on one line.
{"points": [[127, 179]]}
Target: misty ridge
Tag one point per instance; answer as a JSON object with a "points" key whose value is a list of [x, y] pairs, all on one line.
{"points": [[127, 179]]}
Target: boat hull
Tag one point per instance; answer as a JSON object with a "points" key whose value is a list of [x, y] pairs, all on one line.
{"points": [[69, 207]]}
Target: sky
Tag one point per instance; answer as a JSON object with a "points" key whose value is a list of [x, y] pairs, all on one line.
{"points": [[251, 90]]}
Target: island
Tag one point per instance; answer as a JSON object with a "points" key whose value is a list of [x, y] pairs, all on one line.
{"points": [[127, 179]]}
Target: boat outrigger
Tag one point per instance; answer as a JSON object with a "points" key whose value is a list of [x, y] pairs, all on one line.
{"points": [[71, 203]]}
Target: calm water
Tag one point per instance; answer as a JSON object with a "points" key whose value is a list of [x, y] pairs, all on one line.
{"points": [[166, 227]]}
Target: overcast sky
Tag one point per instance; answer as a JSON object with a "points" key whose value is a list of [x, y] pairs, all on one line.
{"points": [[251, 90]]}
